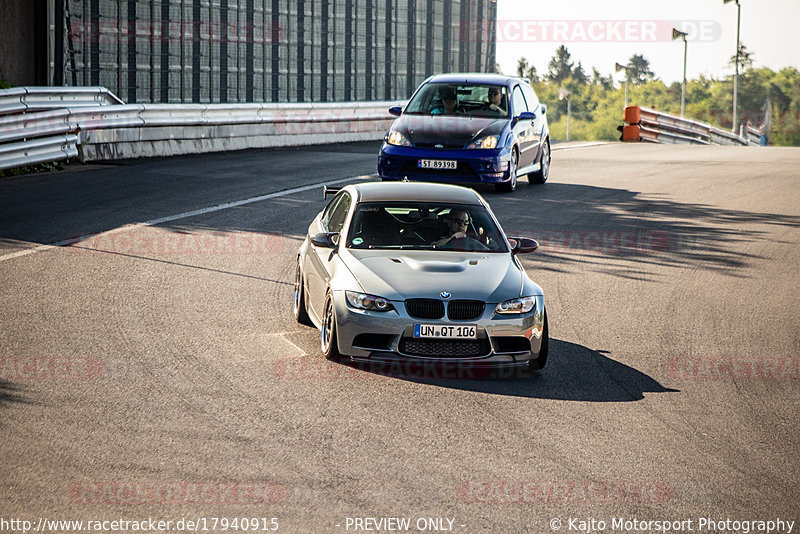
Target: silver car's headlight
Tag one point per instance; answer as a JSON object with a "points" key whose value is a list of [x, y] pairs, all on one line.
{"points": [[397, 139], [363, 301], [516, 306], [484, 143]]}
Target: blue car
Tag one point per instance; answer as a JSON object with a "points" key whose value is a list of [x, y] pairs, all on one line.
{"points": [[469, 129]]}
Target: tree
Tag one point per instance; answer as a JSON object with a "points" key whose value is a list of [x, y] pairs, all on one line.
{"points": [[560, 66], [522, 67], [527, 71], [639, 70], [599, 79], [745, 59], [579, 75], [532, 75]]}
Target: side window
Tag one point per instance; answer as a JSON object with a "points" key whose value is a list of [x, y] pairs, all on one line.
{"points": [[330, 207], [518, 101], [530, 97], [337, 212]]}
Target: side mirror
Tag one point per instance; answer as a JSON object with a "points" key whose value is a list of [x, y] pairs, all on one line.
{"points": [[325, 239], [396, 111], [526, 116], [544, 109], [523, 245]]}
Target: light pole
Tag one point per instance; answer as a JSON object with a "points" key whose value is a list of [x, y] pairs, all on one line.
{"points": [[677, 34], [620, 67], [564, 94], [736, 77]]}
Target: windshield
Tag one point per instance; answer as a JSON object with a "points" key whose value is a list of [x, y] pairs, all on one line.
{"points": [[417, 226], [454, 99]]}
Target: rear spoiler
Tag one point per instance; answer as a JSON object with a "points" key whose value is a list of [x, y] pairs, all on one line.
{"points": [[328, 190]]}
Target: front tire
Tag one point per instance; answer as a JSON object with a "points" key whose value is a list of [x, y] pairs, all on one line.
{"points": [[511, 185], [299, 301], [329, 341], [539, 363], [540, 176]]}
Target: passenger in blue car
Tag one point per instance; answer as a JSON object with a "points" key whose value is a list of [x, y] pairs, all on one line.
{"points": [[449, 103]]}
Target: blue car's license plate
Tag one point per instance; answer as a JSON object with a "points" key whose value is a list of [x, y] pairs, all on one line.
{"points": [[437, 164]]}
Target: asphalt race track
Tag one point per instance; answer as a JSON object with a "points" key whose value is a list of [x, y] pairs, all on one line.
{"points": [[150, 365]]}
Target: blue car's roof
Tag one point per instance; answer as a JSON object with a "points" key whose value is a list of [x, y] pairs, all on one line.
{"points": [[476, 77]]}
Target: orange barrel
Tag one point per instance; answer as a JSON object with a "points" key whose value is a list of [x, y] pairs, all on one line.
{"points": [[630, 133], [632, 115]]}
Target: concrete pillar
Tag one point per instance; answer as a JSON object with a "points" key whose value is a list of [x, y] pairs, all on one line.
{"points": [[18, 45]]}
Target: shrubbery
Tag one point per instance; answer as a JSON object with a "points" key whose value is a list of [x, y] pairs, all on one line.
{"points": [[597, 105]]}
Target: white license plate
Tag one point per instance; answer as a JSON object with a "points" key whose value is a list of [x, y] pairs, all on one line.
{"points": [[439, 331], [437, 164]]}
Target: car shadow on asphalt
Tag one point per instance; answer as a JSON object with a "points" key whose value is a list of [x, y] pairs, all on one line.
{"points": [[573, 373], [616, 231], [10, 393], [626, 233]]}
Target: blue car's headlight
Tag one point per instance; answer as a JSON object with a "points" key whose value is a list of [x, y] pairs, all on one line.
{"points": [[397, 139], [363, 301], [484, 143], [516, 306]]}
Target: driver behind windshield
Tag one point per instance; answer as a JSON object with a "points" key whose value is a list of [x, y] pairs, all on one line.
{"points": [[414, 227], [457, 224], [495, 101]]}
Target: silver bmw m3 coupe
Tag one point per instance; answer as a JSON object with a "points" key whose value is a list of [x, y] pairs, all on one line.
{"points": [[418, 272]]}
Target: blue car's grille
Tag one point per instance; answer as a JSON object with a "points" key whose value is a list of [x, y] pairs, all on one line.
{"points": [[425, 308], [438, 146], [464, 310], [444, 348]]}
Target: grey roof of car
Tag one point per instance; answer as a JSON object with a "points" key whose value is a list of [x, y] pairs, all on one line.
{"points": [[472, 77], [415, 191]]}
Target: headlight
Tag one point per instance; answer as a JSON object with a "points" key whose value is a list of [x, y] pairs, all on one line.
{"points": [[397, 139], [363, 301], [516, 306], [484, 143]]}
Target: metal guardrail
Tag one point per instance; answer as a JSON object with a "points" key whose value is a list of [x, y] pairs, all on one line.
{"points": [[94, 125], [30, 125], [644, 124], [24, 99], [753, 135], [40, 150], [167, 130]]}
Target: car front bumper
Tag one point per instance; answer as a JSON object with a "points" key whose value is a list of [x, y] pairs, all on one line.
{"points": [[474, 166], [502, 340]]}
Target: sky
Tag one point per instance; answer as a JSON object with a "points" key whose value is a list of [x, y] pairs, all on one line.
{"points": [[599, 33]]}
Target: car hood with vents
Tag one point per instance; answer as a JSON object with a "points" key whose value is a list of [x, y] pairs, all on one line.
{"points": [[402, 274]]}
